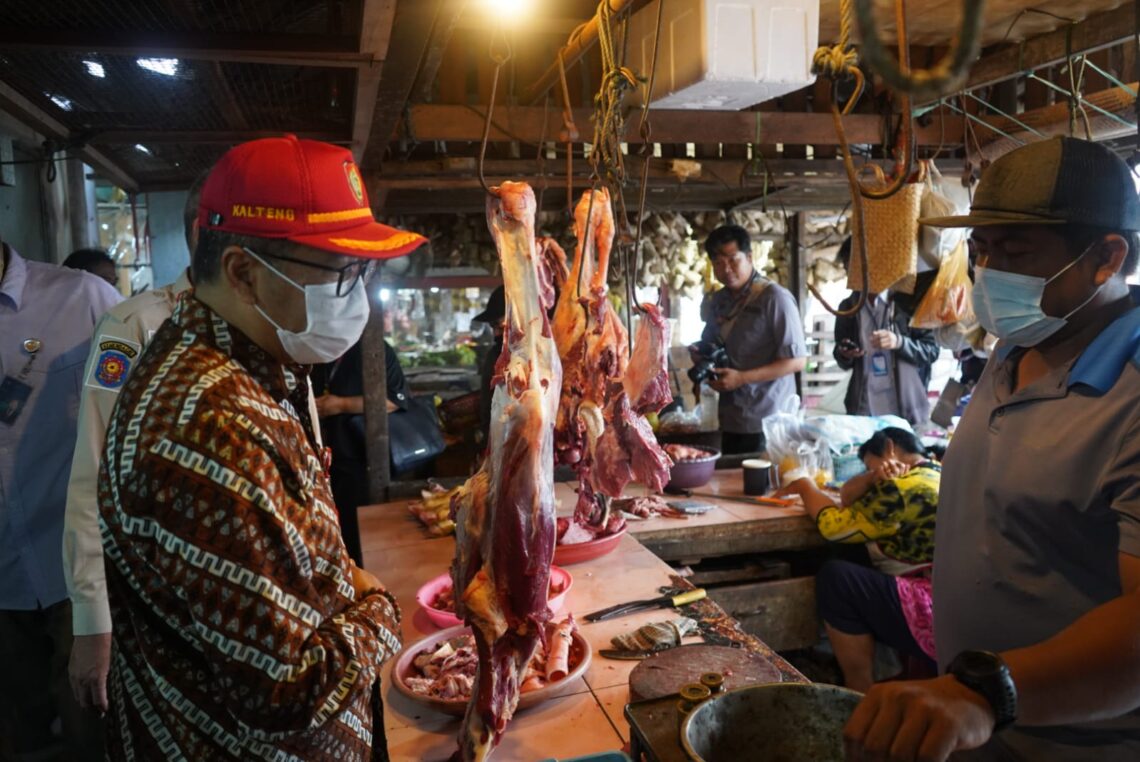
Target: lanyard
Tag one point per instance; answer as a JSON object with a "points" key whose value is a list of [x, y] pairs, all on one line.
{"points": [[877, 323]]}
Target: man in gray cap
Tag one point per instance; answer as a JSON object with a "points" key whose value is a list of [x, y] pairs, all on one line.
{"points": [[1037, 551]]}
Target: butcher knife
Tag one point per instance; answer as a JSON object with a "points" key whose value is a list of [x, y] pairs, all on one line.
{"points": [[665, 601]]}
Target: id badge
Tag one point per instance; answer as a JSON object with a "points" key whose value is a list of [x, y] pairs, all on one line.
{"points": [[14, 395], [879, 365]]}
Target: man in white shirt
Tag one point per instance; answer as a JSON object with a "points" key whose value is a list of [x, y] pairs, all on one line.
{"points": [[120, 338]]}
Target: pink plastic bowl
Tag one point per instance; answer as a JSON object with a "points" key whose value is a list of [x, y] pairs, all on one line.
{"points": [[444, 619]]}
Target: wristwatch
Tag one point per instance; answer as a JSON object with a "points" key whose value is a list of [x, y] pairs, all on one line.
{"points": [[984, 672]]}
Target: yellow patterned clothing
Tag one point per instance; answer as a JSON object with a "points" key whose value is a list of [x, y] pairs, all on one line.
{"points": [[237, 632], [897, 513]]}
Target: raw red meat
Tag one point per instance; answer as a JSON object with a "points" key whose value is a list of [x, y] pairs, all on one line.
{"points": [[608, 443], [647, 380], [505, 531]]}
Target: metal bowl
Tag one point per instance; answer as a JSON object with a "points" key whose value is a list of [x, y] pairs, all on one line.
{"points": [[689, 474], [780, 722]]}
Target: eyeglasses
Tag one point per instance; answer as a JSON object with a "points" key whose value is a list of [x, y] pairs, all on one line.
{"points": [[347, 276]]}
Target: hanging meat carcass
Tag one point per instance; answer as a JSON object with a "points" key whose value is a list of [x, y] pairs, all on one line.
{"points": [[606, 441], [505, 525]]}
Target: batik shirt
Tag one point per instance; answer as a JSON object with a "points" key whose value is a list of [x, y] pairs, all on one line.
{"points": [[897, 513], [237, 631]]}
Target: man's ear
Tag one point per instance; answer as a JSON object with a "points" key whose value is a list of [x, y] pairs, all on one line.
{"points": [[239, 272], [1111, 253]]}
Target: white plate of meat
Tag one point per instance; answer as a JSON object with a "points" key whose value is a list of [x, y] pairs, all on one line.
{"points": [[439, 670]]}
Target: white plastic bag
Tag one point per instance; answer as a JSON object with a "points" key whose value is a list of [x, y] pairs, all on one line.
{"points": [[940, 200]]}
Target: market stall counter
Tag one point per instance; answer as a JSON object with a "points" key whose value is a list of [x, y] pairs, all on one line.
{"points": [[588, 718]]}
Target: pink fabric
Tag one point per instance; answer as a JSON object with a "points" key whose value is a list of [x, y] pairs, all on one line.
{"points": [[918, 610]]}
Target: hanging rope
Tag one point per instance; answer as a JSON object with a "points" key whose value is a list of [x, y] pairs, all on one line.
{"points": [[646, 153], [947, 75], [840, 62], [609, 125], [499, 57], [569, 135]]}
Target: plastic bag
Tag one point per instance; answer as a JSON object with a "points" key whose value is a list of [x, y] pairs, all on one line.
{"points": [[948, 300], [793, 445], [939, 200]]}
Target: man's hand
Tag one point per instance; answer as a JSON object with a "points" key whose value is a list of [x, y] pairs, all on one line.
{"points": [[87, 670], [363, 581], [329, 404], [888, 340], [919, 721], [728, 379], [849, 350]]}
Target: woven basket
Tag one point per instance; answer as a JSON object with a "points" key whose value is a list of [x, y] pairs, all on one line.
{"points": [[892, 237]]}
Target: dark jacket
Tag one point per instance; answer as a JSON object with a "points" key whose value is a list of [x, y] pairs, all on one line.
{"points": [[919, 349]]}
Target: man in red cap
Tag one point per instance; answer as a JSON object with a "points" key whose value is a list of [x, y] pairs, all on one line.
{"points": [[242, 629]]}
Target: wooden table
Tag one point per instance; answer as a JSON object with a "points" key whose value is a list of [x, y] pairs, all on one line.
{"points": [[586, 721], [732, 527]]}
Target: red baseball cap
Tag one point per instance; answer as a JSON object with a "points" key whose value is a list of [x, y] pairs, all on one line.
{"points": [[303, 191]]}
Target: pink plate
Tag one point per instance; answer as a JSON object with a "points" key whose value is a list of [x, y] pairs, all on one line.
{"points": [[580, 653], [440, 618], [565, 555]]}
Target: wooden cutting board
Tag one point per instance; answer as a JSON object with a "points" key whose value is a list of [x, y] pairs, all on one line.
{"points": [[663, 674]]}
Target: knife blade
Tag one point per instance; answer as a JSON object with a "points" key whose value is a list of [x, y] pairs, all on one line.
{"points": [[665, 601], [617, 653]]}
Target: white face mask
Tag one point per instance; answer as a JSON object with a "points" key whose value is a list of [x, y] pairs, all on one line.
{"points": [[1008, 305], [333, 323]]}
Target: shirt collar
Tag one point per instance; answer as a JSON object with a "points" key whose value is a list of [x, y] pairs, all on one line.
{"points": [[279, 379], [1102, 362], [15, 276]]}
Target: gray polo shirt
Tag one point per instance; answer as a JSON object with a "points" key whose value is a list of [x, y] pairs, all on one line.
{"points": [[767, 329], [1040, 492]]}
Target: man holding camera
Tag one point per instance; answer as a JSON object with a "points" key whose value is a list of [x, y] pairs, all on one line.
{"points": [[757, 322]]}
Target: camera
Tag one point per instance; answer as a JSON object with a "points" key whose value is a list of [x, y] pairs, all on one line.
{"points": [[712, 355]]}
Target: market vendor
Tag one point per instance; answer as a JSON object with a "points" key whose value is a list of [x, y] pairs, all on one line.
{"points": [[890, 362], [1037, 553], [241, 627], [892, 504], [758, 323]]}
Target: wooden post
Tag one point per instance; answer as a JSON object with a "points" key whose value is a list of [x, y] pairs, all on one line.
{"points": [[376, 400]]}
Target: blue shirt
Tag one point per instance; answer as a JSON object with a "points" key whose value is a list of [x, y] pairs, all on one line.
{"points": [[58, 308], [1040, 494]]}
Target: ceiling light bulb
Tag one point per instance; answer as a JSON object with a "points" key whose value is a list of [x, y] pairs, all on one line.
{"points": [[142, 149], [60, 101], [507, 10], [95, 69], [165, 66]]}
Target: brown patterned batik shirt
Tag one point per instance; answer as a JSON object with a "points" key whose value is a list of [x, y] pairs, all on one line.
{"points": [[237, 632]]}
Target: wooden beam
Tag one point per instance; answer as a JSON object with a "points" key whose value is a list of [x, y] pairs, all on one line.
{"points": [[44, 123], [459, 173], [463, 123], [267, 48], [224, 137], [535, 24], [440, 37], [414, 19], [1094, 33], [571, 52], [375, 35]]}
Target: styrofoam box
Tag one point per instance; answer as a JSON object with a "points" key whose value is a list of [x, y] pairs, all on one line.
{"points": [[723, 55]]}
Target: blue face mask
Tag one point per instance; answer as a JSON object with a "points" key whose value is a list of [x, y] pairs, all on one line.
{"points": [[1008, 305]]}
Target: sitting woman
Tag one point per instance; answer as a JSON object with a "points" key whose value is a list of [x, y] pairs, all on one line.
{"points": [[892, 505]]}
